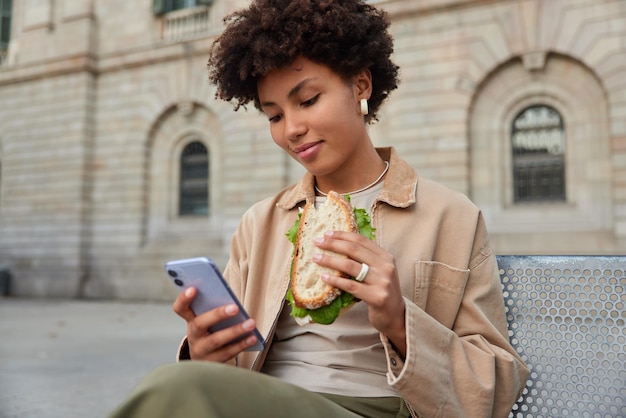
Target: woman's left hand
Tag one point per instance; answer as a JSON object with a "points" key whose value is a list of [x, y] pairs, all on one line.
{"points": [[380, 289]]}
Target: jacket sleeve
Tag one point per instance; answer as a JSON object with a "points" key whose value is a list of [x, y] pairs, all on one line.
{"points": [[460, 364]]}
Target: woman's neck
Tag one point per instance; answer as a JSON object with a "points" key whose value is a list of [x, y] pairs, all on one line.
{"points": [[358, 176]]}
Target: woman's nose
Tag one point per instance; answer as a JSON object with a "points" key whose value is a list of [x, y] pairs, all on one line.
{"points": [[295, 126]]}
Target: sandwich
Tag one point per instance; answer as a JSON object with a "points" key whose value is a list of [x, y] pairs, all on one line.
{"points": [[310, 298]]}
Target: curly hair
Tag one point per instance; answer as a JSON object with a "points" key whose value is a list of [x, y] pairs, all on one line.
{"points": [[347, 36]]}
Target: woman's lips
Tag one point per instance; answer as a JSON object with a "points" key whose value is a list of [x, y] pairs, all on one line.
{"points": [[308, 151]]}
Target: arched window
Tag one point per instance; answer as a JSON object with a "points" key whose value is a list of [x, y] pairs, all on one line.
{"points": [[194, 180], [538, 146], [6, 7]]}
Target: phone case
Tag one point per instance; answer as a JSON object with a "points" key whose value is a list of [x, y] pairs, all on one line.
{"points": [[213, 291]]}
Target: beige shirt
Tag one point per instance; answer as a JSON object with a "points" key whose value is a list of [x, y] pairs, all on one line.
{"points": [[332, 358]]}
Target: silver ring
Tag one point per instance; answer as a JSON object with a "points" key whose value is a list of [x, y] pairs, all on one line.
{"points": [[361, 276]]}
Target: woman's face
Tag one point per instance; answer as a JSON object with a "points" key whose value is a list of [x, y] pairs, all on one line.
{"points": [[314, 115]]}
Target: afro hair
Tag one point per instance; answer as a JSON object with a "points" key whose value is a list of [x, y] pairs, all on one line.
{"points": [[348, 36]]}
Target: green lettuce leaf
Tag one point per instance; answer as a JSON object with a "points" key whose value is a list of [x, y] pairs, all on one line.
{"points": [[295, 311], [364, 223], [293, 231]]}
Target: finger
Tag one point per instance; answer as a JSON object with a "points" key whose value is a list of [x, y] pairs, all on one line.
{"points": [[352, 245], [230, 351], [219, 345], [348, 266], [201, 323], [352, 237], [347, 285], [182, 304], [360, 250], [225, 353], [239, 334]]}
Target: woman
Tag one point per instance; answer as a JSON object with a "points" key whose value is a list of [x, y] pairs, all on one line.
{"points": [[428, 337]]}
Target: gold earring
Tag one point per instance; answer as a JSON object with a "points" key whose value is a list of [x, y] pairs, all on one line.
{"points": [[364, 107]]}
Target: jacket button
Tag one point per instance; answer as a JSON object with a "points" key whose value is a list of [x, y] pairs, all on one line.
{"points": [[393, 361]]}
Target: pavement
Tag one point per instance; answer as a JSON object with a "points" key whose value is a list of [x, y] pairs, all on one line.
{"points": [[77, 358]]}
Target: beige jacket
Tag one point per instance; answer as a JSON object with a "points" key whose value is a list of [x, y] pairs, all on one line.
{"points": [[459, 362]]}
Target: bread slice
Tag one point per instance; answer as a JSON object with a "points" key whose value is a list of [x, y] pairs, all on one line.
{"points": [[307, 287]]}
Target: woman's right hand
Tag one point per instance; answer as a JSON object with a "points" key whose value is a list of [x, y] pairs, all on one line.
{"points": [[204, 345]]}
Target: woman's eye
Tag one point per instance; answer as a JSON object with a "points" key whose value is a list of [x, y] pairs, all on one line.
{"points": [[274, 119], [311, 101]]}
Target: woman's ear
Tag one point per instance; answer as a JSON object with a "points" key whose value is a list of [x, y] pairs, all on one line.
{"points": [[363, 84]]}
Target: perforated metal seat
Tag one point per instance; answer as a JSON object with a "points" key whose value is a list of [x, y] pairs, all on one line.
{"points": [[566, 319]]}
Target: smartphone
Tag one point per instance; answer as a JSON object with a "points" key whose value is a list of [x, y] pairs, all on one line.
{"points": [[213, 291]]}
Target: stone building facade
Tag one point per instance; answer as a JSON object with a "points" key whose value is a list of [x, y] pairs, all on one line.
{"points": [[99, 99]]}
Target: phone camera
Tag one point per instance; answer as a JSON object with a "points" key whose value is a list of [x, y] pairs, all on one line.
{"points": [[178, 282], [172, 273]]}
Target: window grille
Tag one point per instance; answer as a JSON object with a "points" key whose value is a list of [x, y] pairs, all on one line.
{"points": [[185, 24], [538, 146], [194, 180]]}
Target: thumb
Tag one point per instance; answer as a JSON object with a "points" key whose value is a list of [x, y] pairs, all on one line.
{"points": [[182, 304]]}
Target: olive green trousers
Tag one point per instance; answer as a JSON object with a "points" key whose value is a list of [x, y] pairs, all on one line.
{"points": [[202, 389]]}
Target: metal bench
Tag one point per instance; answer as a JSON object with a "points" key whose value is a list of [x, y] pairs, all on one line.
{"points": [[566, 319]]}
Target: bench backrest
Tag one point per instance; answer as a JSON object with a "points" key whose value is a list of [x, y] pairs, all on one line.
{"points": [[566, 319]]}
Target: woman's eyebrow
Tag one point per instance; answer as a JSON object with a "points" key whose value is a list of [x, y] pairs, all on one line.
{"points": [[299, 87], [293, 91]]}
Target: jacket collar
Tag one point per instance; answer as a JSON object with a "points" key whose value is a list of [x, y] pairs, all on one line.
{"points": [[399, 189]]}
